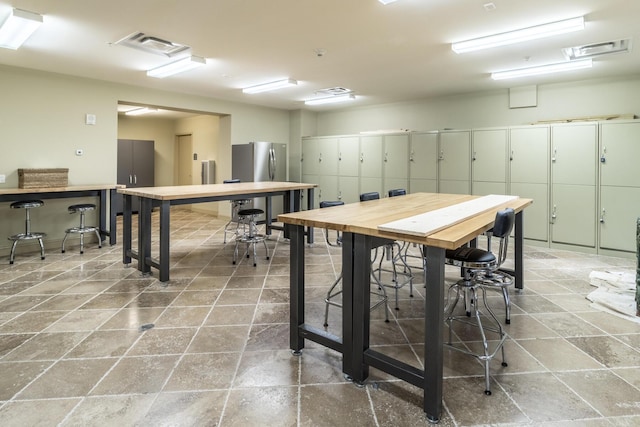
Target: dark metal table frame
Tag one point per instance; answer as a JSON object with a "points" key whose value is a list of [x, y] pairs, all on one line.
{"points": [[357, 357], [143, 253], [102, 195]]}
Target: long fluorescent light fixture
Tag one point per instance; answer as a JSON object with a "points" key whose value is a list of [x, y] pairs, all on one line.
{"points": [[543, 69], [517, 36], [280, 84], [140, 111], [180, 66], [330, 99], [18, 27], [386, 2]]}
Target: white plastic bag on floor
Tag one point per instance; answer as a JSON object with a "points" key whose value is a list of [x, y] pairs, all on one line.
{"points": [[615, 293]]}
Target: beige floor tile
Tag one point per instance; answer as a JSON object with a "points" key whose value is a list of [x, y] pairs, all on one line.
{"points": [[263, 406], [93, 342]]}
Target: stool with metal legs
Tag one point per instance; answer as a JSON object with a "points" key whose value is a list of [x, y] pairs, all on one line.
{"points": [[334, 290], [392, 251], [248, 233], [232, 226], [27, 205], [83, 228], [480, 270]]}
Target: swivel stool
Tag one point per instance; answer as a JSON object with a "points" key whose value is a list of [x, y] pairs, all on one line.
{"points": [[83, 228], [249, 234], [27, 205]]}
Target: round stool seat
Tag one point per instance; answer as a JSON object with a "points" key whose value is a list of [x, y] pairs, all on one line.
{"points": [[249, 212], [81, 207], [27, 204]]}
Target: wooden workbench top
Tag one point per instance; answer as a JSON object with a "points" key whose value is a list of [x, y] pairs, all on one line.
{"points": [[88, 187], [176, 192], [365, 217]]}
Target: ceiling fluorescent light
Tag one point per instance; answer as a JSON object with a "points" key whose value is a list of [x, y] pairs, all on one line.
{"points": [[386, 2], [330, 99], [280, 84], [180, 66], [140, 111], [521, 35], [542, 69], [18, 27]]}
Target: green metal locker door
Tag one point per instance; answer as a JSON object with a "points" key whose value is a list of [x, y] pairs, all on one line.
{"points": [[455, 162], [423, 162]]}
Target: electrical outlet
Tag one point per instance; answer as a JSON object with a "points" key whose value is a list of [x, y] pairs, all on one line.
{"points": [[79, 152]]}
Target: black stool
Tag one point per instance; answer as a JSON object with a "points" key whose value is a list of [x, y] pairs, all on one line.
{"points": [[249, 235], [82, 208], [27, 205]]}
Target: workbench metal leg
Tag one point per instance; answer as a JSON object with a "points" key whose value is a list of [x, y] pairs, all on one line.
{"points": [[360, 282], [519, 248], [164, 258], [113, 232], [310, 203], [127, 225], [103, 215], [296, 286], [144, 235], [434, 321]]}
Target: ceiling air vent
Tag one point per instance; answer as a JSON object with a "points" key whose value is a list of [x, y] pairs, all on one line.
{"points": [[152, 44], [597, 49], [334, 91]]}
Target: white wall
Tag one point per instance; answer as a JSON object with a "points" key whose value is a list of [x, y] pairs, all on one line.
{"points": [[42, 117], [489, 109]]}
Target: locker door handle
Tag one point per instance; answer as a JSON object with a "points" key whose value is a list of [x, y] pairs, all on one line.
{"points": [[602, 217], [411, 156], [555, 154], [553, 215], [474, 156], [441, 157], [386, 157], [511, 158]]}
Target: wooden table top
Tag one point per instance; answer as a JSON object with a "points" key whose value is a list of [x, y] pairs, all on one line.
{"points": [[365, 217], [88, 187], [178, 192]]}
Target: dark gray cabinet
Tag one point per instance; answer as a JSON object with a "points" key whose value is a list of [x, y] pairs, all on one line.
{"points": [[135, 166]]}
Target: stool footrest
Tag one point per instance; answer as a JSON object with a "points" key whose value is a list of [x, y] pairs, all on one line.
{"points": [[29, 236]]}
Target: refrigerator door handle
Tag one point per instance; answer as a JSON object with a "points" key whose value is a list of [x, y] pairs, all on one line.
{"points": [[272, 164]]}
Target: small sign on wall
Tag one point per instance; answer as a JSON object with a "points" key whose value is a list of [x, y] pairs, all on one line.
{"points": [[523, 96]]}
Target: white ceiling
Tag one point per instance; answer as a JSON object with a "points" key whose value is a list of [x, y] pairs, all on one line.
{"points": [[385, 54]]}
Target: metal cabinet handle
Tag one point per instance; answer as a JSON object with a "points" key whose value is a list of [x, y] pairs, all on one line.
{"points": [[411, 156], [130, 179], [386, 157], [361, 157], [603, 158], [511, 158], [135, 179], [441, 157], [474, 156], [320, 158], [602, 217], [555, 154], [553, 215]]}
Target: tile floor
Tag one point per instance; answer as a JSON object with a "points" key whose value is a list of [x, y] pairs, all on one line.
{"points": [[86, 341]]}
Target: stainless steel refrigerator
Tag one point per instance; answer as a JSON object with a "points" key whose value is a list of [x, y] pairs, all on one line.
{"points": [[260, 161]]}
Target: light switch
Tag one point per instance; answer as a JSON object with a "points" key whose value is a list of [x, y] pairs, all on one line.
{"points": [[90, 119]]}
